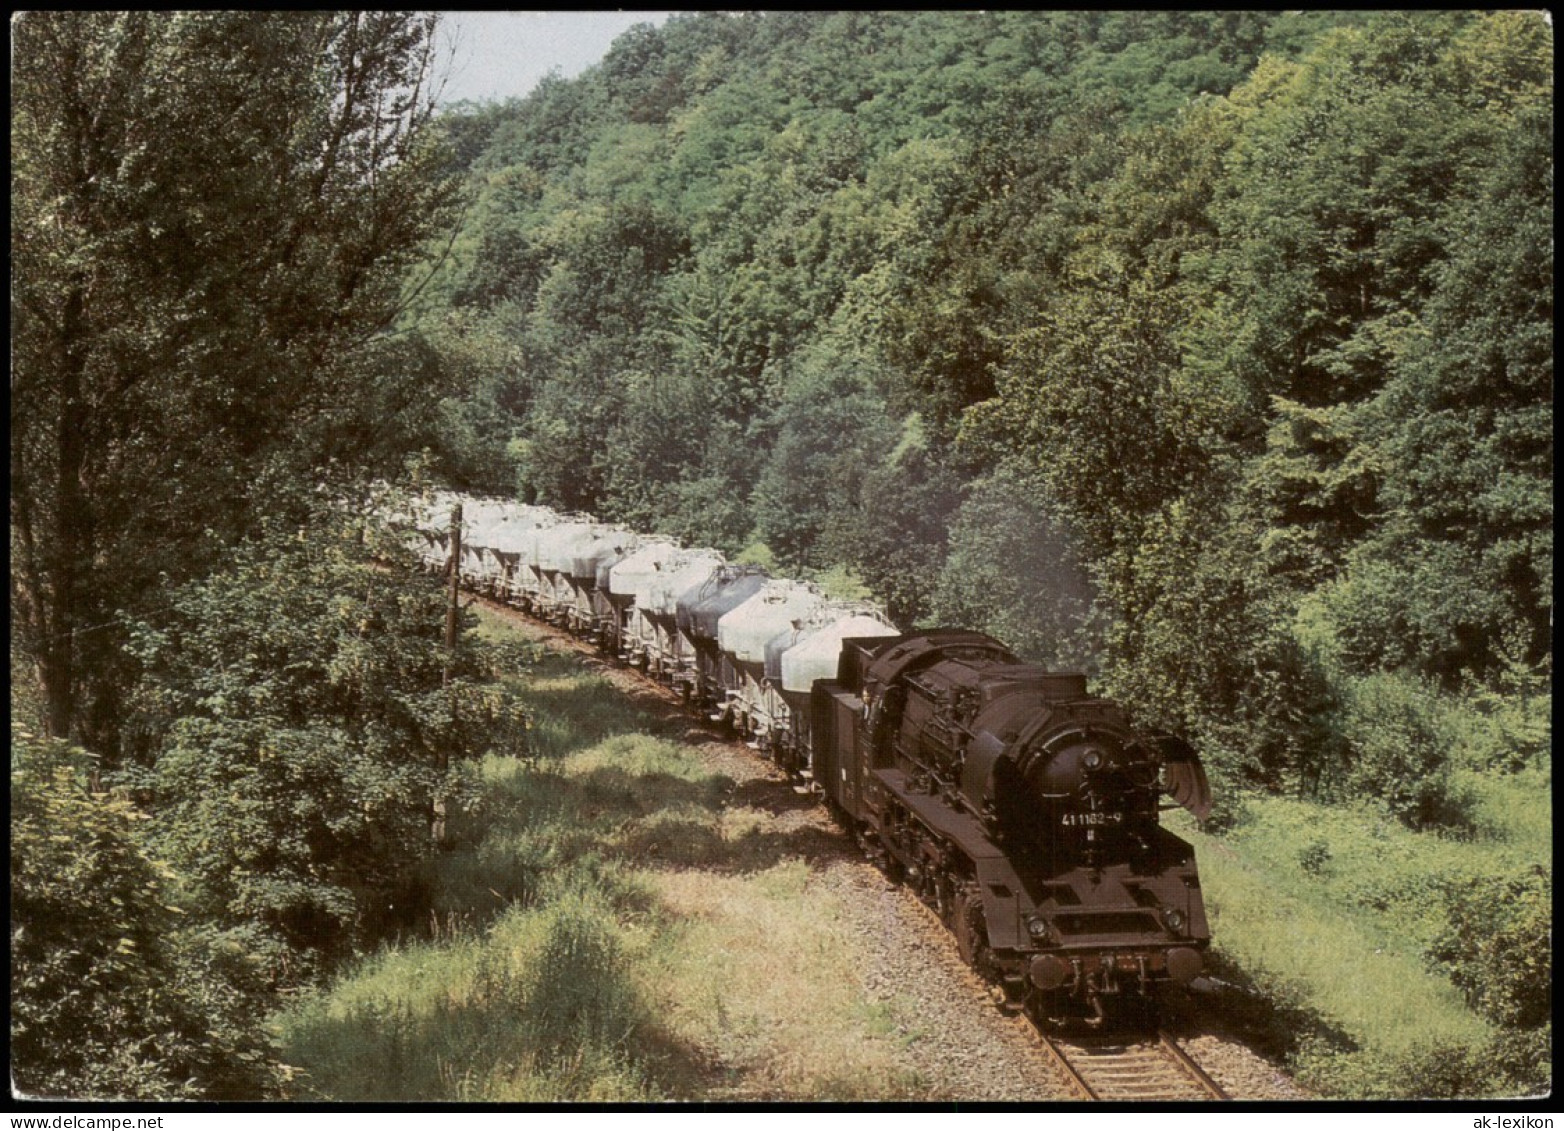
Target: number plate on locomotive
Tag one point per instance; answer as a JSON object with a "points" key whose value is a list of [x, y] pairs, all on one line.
{"points": [[1082, 819]]}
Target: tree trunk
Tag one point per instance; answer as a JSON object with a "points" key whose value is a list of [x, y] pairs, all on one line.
{"points": [[70, 546]]}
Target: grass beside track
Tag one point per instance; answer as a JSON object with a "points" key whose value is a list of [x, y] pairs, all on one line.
{"points": [[1321, 920], [616, 922]]}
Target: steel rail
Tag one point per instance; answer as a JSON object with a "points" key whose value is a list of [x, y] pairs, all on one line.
{"points": [[1130, 1072], [1187, 1063], [1073, 1079]]}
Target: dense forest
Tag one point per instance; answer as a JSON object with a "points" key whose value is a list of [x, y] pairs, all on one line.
{"points": [[1208, 352]]}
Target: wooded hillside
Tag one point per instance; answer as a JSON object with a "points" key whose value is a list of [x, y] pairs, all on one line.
{"points": [[1212, 351]]}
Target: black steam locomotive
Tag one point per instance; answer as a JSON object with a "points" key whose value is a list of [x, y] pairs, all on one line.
{"points": [[1022, 809]]}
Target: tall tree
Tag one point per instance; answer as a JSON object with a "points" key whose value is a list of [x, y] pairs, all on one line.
{"points": [[211, 216], [1460, 575]]}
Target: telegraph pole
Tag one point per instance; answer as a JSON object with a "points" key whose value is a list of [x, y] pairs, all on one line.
{"points": [[452, 613]]}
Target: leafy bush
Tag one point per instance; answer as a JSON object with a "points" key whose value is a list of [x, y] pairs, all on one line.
{"points": [[1400, 742], [1508, 1066], [1524, 1057], [1510, 726], [1229, 805], [1498, 948], [302, 725], [1314, 857], [579, 998], [110, 997]]}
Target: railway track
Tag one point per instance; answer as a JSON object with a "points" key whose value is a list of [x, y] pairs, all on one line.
{"points": [[1129, 1068]]}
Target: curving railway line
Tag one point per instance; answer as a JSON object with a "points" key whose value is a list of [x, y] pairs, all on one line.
{"points": [[1020, 807]]}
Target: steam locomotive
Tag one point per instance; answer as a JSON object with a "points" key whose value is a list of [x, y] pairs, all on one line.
{"points": [[1019, 807]]}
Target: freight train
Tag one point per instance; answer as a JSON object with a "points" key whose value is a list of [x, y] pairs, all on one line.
{"points": [[1021, 808]]}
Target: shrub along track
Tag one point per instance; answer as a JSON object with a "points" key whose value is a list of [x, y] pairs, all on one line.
{"points": [[943, 1017]]}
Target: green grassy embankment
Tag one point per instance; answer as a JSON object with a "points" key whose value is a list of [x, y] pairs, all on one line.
{"points": [[603, 931], [1323, 916]]}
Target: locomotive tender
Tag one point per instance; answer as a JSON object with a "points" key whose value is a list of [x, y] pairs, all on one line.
{"points": [[1023, 810]]}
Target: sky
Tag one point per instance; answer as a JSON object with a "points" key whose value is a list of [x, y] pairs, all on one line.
{"points": [[499, 55]]}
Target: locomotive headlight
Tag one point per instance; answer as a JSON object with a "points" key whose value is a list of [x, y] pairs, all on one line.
{"points": [[1093, 758], [1037, 927], [1174, 920]]}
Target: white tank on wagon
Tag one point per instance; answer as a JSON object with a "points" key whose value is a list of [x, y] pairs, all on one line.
{"points": [[817, 653], [490, 530], [432, 517], [632, 577], [751, 704], [430, 541], [606, 616], [477, 518], [478, 566], [633, 545], [556, 546], [697, 613], [672, 654], [555, 550], [794, 661], [629, 587], [527, 586], [508, 541], [577, 580], [678, 573], [745, 631]]}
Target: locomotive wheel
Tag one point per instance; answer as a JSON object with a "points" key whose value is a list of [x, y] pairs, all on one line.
{"points": [[971, 932]]}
